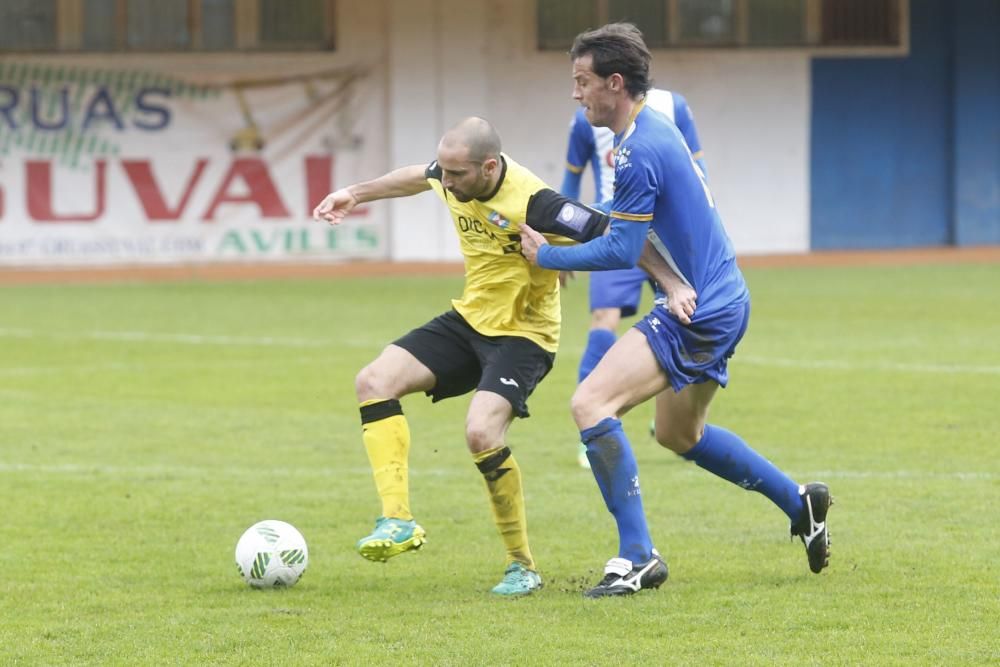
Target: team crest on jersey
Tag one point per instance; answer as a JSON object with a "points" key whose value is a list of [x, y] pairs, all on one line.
{"points": [[498, 220], [622, 158]]}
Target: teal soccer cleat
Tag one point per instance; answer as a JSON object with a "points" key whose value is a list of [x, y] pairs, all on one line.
{"points": [[518, 581], [391, 537]]}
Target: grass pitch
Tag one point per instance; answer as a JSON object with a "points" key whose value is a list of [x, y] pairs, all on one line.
{"points": [[144, 427]]}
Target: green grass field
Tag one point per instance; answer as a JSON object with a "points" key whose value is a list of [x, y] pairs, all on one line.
{"points": [[144, 427]]}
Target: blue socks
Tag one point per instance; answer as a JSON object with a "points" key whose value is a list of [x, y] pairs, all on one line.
{"points": [[725, 454], [719, 451], [599, 341], [617, 475]]}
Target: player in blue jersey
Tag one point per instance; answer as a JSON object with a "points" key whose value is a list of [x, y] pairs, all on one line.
{"points": [[614, 294], [661, 192]]}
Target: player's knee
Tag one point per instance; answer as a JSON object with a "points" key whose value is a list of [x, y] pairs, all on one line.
{"points": [[605, 318], [371, 382], [584, 406], [481, 436], [677, 440]]}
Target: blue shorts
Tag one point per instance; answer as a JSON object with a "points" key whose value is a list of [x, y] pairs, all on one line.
{"points": [[619, 288], [697, 352]]}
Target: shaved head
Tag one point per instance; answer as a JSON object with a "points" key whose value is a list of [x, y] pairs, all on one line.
{"points": [[477, 136], [469, 157]]}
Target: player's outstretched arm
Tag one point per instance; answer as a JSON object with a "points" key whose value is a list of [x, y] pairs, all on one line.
{"points": [[620, 248], [401, 182], [681, 297]]}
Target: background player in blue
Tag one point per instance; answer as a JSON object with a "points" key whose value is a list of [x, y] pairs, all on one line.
{"points": [[660, 191], [614, 294]]}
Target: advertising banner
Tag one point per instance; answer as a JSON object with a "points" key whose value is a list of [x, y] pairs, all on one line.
{"points": [[123, 166]]}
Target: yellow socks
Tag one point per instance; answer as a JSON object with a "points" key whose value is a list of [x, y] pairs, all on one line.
{"points": [[387, 440], [503, 482]]}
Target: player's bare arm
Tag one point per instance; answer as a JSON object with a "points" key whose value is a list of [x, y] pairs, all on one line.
{"points": [[401, 182], [681, 297]]}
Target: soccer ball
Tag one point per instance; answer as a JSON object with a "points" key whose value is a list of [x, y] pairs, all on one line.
{"points": [[271, 554]]}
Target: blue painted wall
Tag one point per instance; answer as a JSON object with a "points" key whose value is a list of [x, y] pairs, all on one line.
{"points": [[905, 151], [976, 182]]}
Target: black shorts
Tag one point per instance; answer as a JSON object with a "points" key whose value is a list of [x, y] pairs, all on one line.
{"points": [[462, 359]]}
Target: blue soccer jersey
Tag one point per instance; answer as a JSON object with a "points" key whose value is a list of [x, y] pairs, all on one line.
{"points": [[660, 190], [594, 146]]}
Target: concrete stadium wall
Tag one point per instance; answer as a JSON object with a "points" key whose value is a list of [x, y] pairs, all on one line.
{"points": [[906, 151], [449, 58], [976, 118], [802, 152]]}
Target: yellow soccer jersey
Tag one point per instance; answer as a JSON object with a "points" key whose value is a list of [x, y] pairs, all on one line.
{"points": [[505, 294]]}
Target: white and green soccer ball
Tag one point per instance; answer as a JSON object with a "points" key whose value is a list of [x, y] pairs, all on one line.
{"points": [[271, 554]]}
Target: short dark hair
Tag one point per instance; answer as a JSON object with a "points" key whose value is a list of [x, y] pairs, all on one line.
{"points": [[616, 48]]}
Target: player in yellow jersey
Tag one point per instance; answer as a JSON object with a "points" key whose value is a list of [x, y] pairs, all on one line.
{"points": [[498, 340]]}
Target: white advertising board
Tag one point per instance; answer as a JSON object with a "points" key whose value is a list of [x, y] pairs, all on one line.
{"points": [[127, 165]]}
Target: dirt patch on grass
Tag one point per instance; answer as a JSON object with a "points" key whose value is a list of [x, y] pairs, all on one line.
{"points": [[231, 272]]}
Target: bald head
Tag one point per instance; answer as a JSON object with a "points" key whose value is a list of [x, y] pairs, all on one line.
{"points": [[469, 157], [476, 136]]}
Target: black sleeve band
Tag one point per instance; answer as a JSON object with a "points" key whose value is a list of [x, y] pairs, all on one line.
{"points": [[433, 170], [552, 213], [381, 410], [494, 462]]}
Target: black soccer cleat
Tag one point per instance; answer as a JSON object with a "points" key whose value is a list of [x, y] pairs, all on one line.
{"points": [[621, 577], [811, 528]]}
